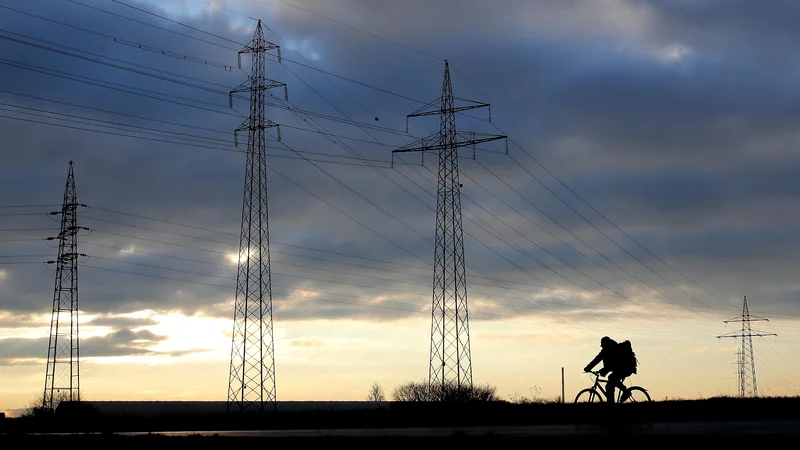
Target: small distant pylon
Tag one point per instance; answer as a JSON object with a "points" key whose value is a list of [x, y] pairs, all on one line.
{"points": [[63, 375], [747, 363], [450, 356], [251, 379]]}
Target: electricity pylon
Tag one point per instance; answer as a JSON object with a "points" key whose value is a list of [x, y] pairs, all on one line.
{"points": [[251, 382], [450, 358], [62, 379], [747, 362], [740, 372]]}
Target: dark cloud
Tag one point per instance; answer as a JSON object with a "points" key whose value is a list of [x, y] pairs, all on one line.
{"points": [[8, 320], [680, 129], [122, 322], [121, 342]]}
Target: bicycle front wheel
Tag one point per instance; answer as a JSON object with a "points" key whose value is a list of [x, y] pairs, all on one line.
{"points": [[638, 395], [589, 395]]}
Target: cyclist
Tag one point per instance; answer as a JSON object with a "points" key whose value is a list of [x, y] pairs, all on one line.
{"points": [[613, 361]]}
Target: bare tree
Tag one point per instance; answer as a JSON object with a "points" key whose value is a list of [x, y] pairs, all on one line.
{"points": [[376, 393], [36, 405]]}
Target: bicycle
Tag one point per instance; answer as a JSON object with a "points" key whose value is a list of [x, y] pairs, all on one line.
{"points": [[596, 393]]}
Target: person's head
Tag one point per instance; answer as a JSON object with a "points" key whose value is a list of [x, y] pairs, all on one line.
{"points": [[606, 342]]}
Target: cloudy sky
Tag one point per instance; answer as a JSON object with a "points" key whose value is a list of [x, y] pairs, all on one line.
{"points": [[649, 185]]}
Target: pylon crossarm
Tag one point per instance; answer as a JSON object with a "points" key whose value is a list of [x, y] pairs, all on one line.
{"points": [[420, 145], [438, 110], [263, 46], [432, 143], [423, 110], [473, 138], [758, 319], [756, 333], [248, 86], [256, 48]]}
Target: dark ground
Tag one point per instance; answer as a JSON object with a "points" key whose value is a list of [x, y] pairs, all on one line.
{"points": [[487, 442], [615, 420]]}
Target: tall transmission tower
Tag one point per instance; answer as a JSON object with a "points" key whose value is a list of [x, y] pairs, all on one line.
{"points": [[740, 372], [251, 382], [747, 362], [450, 358], [62, 379]]}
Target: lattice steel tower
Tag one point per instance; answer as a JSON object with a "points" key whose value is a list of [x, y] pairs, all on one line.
{"points": [[251, 382], [450, 358], [62, 379], [747, 362]]}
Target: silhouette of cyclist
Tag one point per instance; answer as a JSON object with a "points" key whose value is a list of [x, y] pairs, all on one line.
{"points": [[611, 357]]}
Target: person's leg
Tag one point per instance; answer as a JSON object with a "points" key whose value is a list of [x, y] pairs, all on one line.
{"points": [[613, 382], [626, 394]]}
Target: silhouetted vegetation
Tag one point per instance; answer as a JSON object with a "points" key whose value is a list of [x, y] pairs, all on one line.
{"points": [[80, 417], [455, 440], [448, 393], [36, 406], [376, 393], [535, 397]]}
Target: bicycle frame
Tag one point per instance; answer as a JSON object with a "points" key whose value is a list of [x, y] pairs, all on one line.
{"points": [[600, 382]]}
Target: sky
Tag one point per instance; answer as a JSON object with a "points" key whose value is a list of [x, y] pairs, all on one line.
{"points": [[649, 186]]}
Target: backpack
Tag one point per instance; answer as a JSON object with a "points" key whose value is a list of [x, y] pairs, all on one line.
{"points": [[627, 356]]}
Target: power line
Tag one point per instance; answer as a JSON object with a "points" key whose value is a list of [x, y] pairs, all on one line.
{"points": [[27, 206], [381, 288], [586, 202], [188, 144], [195, 127], [382, 210], [303, 266], [403, 291], [372, 203], [176, 143], [154, 26], [172, 80], [100, 83], [299, 289], [25, 214], [360, 30], [360, 266], [136, 45], [380, 37], [189, 137], [228, 67], [427, 54], [176, 22], [571, 233]]}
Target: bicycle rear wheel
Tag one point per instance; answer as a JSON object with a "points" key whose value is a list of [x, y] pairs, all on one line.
{"points": [[638, 395], [589, 395]]}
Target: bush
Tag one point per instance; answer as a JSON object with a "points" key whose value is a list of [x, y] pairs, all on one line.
{"points": [[447, 393]]}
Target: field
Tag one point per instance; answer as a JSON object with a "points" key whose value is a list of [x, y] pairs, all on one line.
{"points": [[613, 419]]}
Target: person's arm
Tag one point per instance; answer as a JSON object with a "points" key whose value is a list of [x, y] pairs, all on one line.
{"points": [[594, 362]]}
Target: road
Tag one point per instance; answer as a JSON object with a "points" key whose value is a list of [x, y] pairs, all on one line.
{"points": [[728, 428]]}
